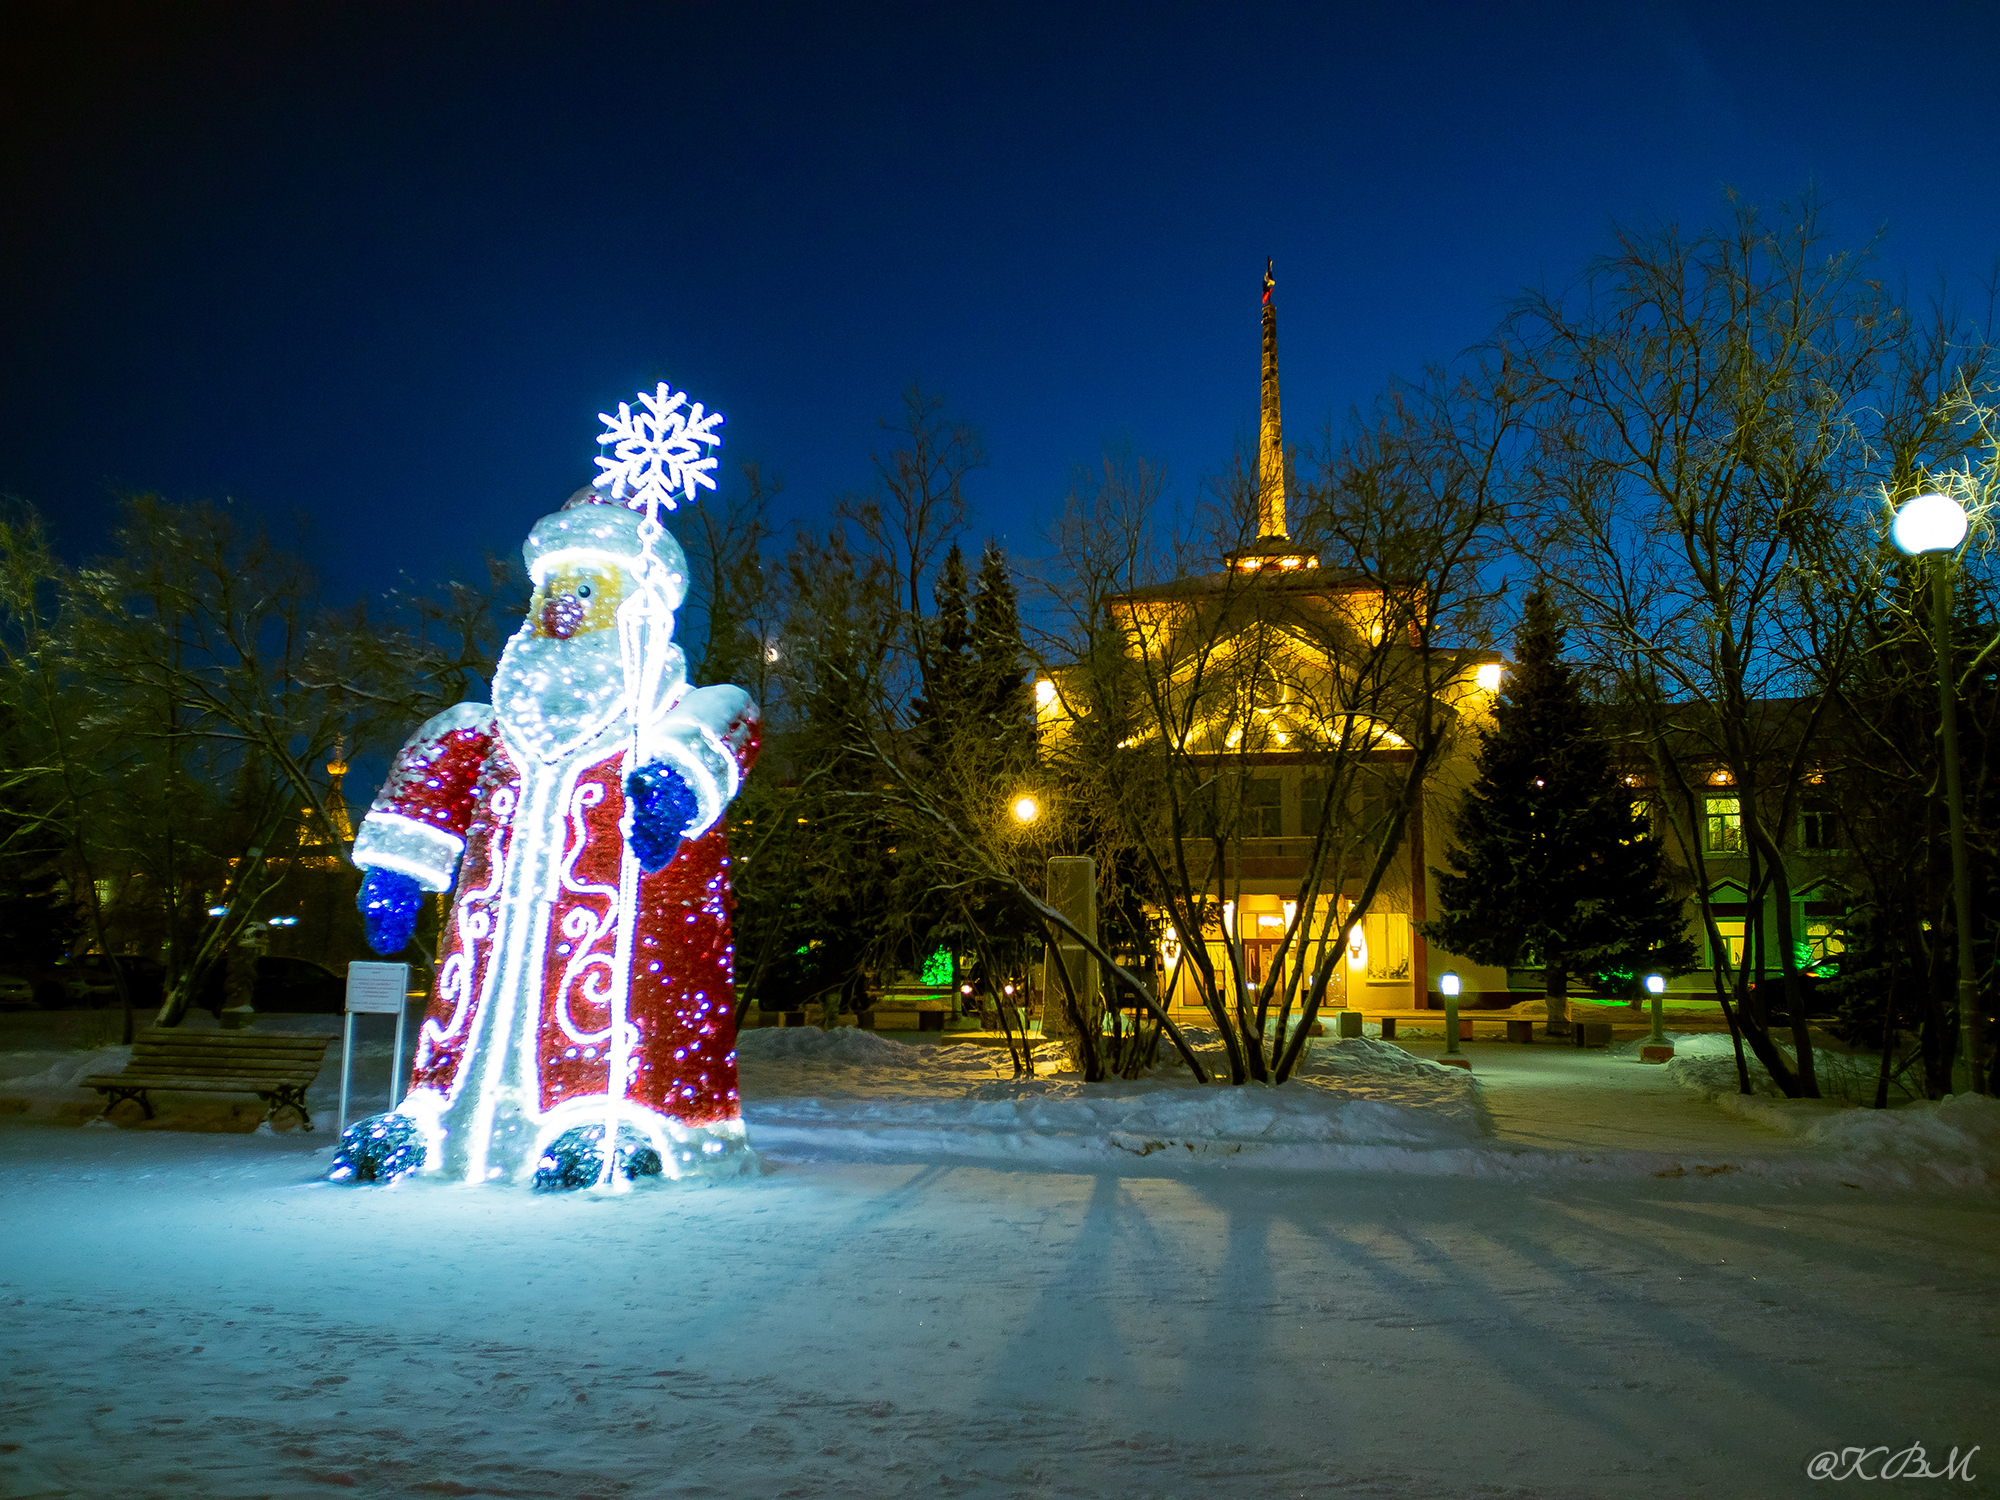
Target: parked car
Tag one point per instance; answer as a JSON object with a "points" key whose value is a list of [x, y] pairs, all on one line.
{"points": [[283, 987], [16, 993], [89, 979]]}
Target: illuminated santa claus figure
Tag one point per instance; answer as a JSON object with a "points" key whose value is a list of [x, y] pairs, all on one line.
{"points": [[581, 1027]]}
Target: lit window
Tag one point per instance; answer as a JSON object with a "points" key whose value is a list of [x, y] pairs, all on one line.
{"points": [[1732, 945], [1820, 950], [1723, 829], [1388, 945]]}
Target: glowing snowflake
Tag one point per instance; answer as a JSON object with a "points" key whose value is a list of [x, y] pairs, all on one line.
{"points": [[658, 450]]}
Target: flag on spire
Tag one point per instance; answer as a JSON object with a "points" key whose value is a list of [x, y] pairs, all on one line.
{"points": [[1269, 282]]}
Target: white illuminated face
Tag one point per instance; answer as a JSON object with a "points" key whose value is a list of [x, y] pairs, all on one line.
{"points": [[561, 680]]}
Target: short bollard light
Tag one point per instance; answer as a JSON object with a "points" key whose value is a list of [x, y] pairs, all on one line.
{"points": [[1656, 1048], [1448, 986]]}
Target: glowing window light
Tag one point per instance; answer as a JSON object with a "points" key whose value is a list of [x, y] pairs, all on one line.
{"points": [[1291, 913]]}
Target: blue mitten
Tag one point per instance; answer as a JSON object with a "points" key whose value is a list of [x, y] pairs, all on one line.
{"points": [[663, 805], [388, 904]]}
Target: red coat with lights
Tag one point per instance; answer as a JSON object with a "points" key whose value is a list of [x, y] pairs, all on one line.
{"points": [[572, 988]]}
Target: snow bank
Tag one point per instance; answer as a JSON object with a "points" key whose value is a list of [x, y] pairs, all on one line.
{"points": [[48, 1078], [1357, 1104], [1955, 1141], [851, 1091]]}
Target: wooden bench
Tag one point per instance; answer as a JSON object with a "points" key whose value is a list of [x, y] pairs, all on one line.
{"points": [[277, 1068]]}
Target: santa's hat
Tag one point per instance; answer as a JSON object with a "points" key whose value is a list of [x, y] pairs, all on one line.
{"points": [[592, 527]]}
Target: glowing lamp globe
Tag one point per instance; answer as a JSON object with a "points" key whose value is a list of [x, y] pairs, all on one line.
{"points": [[1448, 984], [1655, 985], [1026, 809], [1488, 676], [1929, 523]]}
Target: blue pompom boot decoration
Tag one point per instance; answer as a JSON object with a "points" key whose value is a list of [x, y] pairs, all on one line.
{"points": [[575, 1159], [380, 1149]]}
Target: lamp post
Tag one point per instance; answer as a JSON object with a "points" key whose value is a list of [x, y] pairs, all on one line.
{"points": [[1448, 987], [1934, 526]]}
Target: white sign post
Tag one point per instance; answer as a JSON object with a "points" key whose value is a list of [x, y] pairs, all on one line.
{"points": [[373, 990]]}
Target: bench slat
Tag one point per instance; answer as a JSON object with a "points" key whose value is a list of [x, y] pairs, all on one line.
{"points": [[224, 1059], [233, 1041], [295, 1075], [245, 1065], [172, 1085]]}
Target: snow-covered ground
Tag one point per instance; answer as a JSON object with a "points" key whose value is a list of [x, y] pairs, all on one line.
{"points": [[849, 1091], [1567, 1274], [1357, 1104]]}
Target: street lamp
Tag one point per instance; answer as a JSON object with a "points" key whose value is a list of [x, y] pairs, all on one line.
{"points": [[1657, 988], [1934, 526], [1026, 809], [1448, 987]]}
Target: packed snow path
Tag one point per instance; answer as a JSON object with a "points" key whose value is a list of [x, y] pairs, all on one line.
{"points": [[189, 1314]]}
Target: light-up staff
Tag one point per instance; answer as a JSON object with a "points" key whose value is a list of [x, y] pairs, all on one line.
{"points": [[656, 460]]}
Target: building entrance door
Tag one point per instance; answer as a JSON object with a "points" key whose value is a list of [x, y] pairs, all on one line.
{"points": [[1261, 966]]}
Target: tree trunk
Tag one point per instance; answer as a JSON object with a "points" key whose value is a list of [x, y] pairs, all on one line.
{"points": [[1555, 984]]}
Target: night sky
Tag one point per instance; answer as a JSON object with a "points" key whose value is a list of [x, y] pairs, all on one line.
{"points": [[381, 265]]}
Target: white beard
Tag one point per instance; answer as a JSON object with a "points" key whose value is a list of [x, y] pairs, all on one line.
{"points": [[552, 696]]}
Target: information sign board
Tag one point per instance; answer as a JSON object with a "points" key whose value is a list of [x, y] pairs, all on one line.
{"points": [[377, 989], [374, 990]]}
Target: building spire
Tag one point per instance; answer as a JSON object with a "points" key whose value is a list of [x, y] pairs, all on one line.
{"points": [[1270, 437]]}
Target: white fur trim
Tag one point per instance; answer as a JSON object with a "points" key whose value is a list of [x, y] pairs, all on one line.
{"points": [[422, 851], [601, 532], [699, 736]]}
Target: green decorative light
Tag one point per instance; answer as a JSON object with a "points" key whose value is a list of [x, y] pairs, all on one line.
{"points": [[938, 968]]}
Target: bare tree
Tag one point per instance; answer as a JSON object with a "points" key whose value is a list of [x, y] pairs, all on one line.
{"points": [[1709, 407], [1175, 680]]}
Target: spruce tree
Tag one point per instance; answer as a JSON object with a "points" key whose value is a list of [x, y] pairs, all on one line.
{"points": [[941, 711], [1000, 684], [1548, 854]]}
